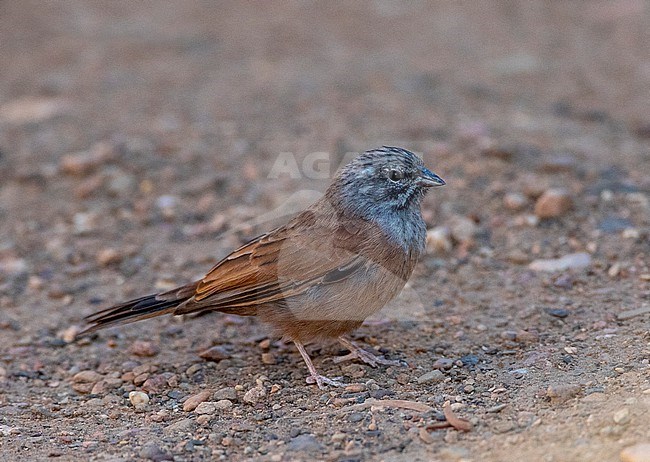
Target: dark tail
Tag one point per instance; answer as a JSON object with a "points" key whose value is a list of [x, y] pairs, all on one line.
{"points": [[139, 309]]}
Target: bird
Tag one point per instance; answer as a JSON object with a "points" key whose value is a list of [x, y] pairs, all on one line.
{"points": [[319, 276]]}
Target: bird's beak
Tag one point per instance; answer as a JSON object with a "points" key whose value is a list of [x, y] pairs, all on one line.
{"points": [[427, 179]]}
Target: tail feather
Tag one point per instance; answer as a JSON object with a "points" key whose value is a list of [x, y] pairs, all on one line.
{"points": [[138, 309]]}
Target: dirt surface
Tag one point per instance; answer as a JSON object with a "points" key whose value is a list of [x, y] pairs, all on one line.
{"points": [[139, 143]]}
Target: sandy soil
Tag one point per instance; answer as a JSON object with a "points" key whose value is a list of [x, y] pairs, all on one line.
{"points": [[139, 144]]}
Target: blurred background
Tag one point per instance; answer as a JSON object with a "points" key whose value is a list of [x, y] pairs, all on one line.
{"points": [[140, 141]]}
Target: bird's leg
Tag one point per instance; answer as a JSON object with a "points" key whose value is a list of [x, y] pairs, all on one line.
{"points": [[356, 352], [320, 380]]}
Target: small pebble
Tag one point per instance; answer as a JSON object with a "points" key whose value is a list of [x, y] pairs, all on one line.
{"points": [[193, 401], [553, 203], [138, 399], [255, 395], [157, 383], [82, 163], [561, 393], [433, 376], [228, 393], [151, 451], [355, 388], [443, 363], [106, 257], [574, 260], [206, 407], [69, 335], [305, 443], [515, 201], [558, 312], [87, 376], [216, 354], [223, 404], [268, 358]]}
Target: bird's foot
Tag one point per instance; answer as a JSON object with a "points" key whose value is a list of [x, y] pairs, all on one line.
{"points": [[321, 381], [314, 376], [356, 352]]}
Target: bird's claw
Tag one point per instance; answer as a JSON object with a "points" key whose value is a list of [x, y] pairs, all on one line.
{"points": [[321, 381], [370, 359]]}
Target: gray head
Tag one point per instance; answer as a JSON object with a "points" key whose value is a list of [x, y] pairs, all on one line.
{"points": [[383, 181]]}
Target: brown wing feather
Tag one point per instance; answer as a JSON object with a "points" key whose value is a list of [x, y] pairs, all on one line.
{"points": [[278, 265]]}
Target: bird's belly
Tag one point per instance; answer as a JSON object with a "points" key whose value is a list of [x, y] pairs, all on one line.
{"points": [[330, 310]]}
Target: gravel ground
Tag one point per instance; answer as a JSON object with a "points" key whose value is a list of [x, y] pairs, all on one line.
{"points": [[141, 141]]}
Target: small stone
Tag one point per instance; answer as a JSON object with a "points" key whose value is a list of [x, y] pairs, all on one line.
{"points": [[622, 416], [614, 270], [120, 184], [156, 383], [228, 393], [431, 376], [503, 426], [206, 407], [84, 388], [87, 376], [140, 379], [223, 404], [216, 354], [438, 240], [443, 363], [305, 443], [525, 336], [138, 399], [69, 335], [106, 257], [564, 281], [574, 260], [558, 312], [268, 358], [553, 203], [356, 388], [515, 201], [193, 401], [144, 348], [561, 393], [84, 222], [193, 369], [151, 451], [82, 163], [180, 426], [255, 395], [630, 233], [637, 453]]}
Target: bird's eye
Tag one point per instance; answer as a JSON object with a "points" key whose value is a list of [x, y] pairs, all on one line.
{"points": [[395, 175]]}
